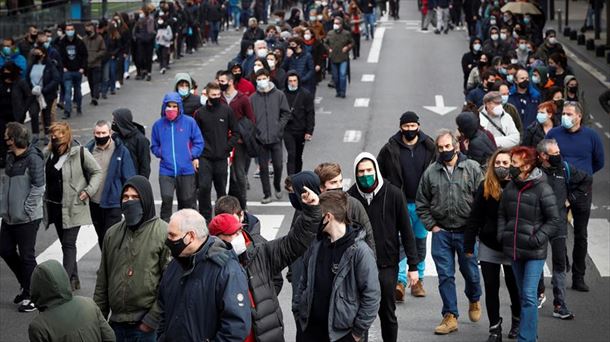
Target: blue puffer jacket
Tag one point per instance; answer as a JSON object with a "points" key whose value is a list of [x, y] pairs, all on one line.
{"points": [[176, 142], [119, 171]]}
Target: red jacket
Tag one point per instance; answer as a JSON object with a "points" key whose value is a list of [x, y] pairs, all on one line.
{"points": [[245, 87], [241, 106]]}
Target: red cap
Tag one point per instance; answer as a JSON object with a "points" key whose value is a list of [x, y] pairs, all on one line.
{"points": [[225, 224]]}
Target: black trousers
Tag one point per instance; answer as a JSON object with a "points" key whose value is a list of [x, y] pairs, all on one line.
{"points": [[186, 189], [273, 152], [94, 77], [143, 57], [239, 176], [356, 49], [491, 280], [581, 210], [211, 171], [387, 309], [23, 238], [103, 218], [67, 237], [295, 143]]}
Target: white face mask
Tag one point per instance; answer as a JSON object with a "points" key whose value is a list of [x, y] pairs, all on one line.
{"points": [[495, 36], [262, 53], [249, 52], [503, 36], [498, 110], [203, 100], [257, 68], [336, 27], [320, 17], [239, 244], [271, 64], [307, 36], [262, 84]]}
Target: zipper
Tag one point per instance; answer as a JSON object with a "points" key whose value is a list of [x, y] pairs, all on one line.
{"points": [[527, 186], [173, 148]]}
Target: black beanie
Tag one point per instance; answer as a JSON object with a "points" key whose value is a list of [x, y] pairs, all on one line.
{"points": [[408, 117]]}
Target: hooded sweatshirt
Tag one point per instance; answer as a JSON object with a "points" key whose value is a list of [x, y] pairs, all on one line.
{"points": [[272, 114], [64, 317], [387, 210], [301, 104], [190, 102], [177, 143], [133, 136]]}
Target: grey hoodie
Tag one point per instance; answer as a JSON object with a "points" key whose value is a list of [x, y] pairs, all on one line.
{"points": [[272, 113]]}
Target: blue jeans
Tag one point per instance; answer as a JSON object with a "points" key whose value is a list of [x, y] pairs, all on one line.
{"points": [[214, 28], [527, 274], [421, 235], [369, 24], [445, 245], [236, 14], [109, 76], [72, 79], [131, 333], [339, 71]]}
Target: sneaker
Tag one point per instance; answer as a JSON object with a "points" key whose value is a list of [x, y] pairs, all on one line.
{"points": [[448, 325], [19, 298], [399, 292], [162, 71], [148, 77], [79, 112], [105, 97], [417, 290], [562, 312], [257, 174], [60, 105], [474, 311], [514, 328], [126, 75], [27, 306], [278, 194], [541, 300], [266, 200], [94, 102], [437, 32], [579, 285]]}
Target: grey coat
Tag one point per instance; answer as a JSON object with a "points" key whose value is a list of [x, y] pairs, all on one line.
{"points": [[272, 113], [355, 296], [357, 213]]}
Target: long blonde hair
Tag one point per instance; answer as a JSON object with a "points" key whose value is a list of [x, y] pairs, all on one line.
{"points": [[491, 184], [65, 140]]}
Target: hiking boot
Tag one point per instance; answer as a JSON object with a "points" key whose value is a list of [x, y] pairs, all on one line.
{"points": [[474, 311], [417, 290], [94, 102], [562, 312], [514, 328], [27, 306], [266, 200], [448, 325], [495, 332], [541, 300], [579, 285], [399, 292]]}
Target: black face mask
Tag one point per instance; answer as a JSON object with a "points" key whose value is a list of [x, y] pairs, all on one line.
{"points": [[446, 156], [102, 141], [409, 134], [573, 89], [335, 189], [36, 58], [213, 102], [322, 225], [237, 77], [55, 145], [559, 104], [133, 212], [224, 87], [514, 172], [501, 172], [33, 36], [115, 128], [176, 247], [555, 160], [295, 201], [524, 84]]}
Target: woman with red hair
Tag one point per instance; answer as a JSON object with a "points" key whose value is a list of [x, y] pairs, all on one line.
{"points": [[538, 129], [527, 218]]}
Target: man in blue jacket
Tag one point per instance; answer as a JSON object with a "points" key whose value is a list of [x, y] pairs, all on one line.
{"points": [[117, 167], [178, 143], [203, 295], [524, 97]]}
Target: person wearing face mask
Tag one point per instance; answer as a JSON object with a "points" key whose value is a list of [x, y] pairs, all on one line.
{"points": [[488, 82], [253, 33], [574, 93], [504, 90], [96, 50], [183, 84], [339, 42], [387, 211], [299, 128], [241, 83], [474, 142], [312, 43], [524, 97], [10, 53], [494, 46], [74, 56], [132, 134], [338, 265], [559, 69], [474, 78], [117, 167], [213, 12], [29, 41], [264, 260], [21, 208], [403, 160], [493, 118], [471, 58], [72, 176], [528, 218], [300, 61], [444, 202], [582, 147], [278, 74], [44, 79], [202, 261], [549, 47], [15, 96], [219, 127], [44, 40], [482, 226], [568, 183], [177, 141], [132, 264], [260, 63], [545, 121]]}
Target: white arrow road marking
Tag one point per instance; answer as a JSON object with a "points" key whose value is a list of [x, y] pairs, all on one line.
{"points": [[352, 136], [361, 102], [376, 46], [439, 107], [317, 100], [322, 111], [368, 78], [87, 239], [270, 225], [599, 245]]}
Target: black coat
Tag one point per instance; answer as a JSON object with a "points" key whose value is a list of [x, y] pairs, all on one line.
{"points": [[50, 80], [534, 133], [20, 98], [528, 217], [219, 130], [303, 118], [483, 222], [132, 135], [480, 147]]}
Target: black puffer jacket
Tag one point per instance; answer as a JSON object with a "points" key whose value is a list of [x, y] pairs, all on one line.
{"points": [[527, 217], [301, 104], [480, 147], [483, 222], [534, 133]]}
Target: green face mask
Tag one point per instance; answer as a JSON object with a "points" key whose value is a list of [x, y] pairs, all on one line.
{"points": [[366, 181]]}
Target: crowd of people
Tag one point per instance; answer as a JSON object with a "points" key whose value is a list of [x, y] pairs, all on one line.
{"points": [[495, 193]]}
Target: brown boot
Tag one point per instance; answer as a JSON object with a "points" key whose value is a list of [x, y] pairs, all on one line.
{"points": [[474, 311], [399, 293], [448, 325], [417, 290]]}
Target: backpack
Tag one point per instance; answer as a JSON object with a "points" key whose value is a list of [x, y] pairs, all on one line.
{"points": [[247, 131]]}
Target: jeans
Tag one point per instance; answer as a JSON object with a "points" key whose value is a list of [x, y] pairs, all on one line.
{"points": [[491, 280], [211, 171], [94, 77], [387, 307], [295, 143], [581, 210], [421, 235], [527, 273], [339, 71], [214, 29], [130, 333], [442, 18], [559, 256], [109, 76], [22, 237], [369, 24], [236, 13], [445, 245], [72, 80], [103, 218], [238, 182], [186, 189], [273, 152]]}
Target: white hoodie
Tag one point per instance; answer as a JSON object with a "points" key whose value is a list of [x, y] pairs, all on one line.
{"points": [[378, 177]]}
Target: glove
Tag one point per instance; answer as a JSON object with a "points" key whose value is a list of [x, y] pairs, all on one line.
{"points": [[36, 91]]}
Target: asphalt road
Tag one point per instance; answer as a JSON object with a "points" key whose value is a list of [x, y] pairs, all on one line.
{"points": [[412, 69]]}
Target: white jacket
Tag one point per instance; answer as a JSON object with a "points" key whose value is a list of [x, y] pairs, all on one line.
{"points": [[511, 136]]}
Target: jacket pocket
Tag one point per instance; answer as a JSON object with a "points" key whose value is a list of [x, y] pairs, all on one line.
{"points": [[345, 312]]}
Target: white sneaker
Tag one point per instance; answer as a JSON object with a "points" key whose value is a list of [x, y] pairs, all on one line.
{"points": [[118, 85], [126, 75]]}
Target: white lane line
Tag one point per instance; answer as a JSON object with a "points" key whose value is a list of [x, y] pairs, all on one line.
{"points": [[361, 102], [87, 239], [607, 135], [249, 204], [368, 78], [599, 125], [322, 111], [352, 136], [318, 99], [270, 225], [599, 245], [347, 182], [375, 50], [590, 68]]}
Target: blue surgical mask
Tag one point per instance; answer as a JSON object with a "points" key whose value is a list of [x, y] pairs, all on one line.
{"points": [[535, 79], [526, 20], [542, 117], [70, 33], [566, 122], [6, 50], [46, 45], [262, 84], [504, 99], [292, 88], [183, 91], [510, 78]]}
